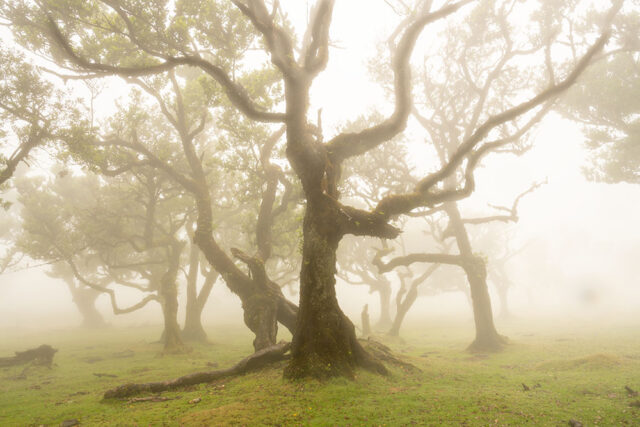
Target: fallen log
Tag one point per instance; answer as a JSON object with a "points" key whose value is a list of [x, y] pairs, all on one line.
{"points": [[42, 355], [254, 362]]}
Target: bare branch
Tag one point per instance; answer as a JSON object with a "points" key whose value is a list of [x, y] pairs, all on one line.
{"points": [[235, 92], [420, 257], [426, 192], [110, 292], [513, 211], [352, 144]]}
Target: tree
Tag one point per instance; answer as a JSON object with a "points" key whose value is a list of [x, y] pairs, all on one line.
{"points": [[607, 108], [461, 89], [83, 297], [33, 231], [263, 302], [32, 111], [324, 342], [122, 233], [196, 301]]}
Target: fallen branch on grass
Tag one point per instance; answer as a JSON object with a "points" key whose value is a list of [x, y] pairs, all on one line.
{"points": [[42, 355], [151, 399], [256, 361]]}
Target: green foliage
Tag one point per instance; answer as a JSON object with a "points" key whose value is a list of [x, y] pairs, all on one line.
{"points": [[607, 101], [33, 112]]}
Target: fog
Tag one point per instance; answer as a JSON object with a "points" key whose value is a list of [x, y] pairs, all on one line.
{"points": [[147, 182], [580, 235]]}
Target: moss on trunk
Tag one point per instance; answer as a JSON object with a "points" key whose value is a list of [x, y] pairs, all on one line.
{"points": [[324, 344]]}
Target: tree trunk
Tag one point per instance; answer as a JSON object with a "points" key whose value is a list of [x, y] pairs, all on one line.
{"points": [[193, 330], [384, 292], [263, 302], [487, 337], [403, 307], [261, 316], [324, 343], [85, 301], [249, 290], [169, 300], [171, 335]]}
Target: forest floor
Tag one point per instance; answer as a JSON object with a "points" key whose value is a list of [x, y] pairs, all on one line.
{"points": [[571, 373]]}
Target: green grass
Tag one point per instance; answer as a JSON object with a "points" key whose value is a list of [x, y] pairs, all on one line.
{"points": [[571, 375]]}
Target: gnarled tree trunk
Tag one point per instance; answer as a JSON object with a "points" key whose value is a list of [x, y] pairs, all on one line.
{"points": [[487, 337], [324, 343], [262, 300]]}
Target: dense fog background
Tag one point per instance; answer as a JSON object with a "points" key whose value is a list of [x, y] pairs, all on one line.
{"points": [[581, 239]]}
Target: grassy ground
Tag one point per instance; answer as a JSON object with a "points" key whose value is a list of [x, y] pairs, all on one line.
{"points": [[571, 375]]}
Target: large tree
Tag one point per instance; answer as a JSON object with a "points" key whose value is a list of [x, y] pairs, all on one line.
{"points": [[150, 38], [487, 65], [439, 277], [238, 189]]}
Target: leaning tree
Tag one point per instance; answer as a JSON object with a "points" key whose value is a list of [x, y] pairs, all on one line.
{"points": [[157, 39], [177, 125]]}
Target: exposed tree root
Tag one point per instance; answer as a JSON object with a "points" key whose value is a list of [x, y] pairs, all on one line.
{"points": [[384, 354], [42, 355], [256, 361]]}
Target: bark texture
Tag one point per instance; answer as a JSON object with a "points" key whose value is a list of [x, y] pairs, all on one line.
{"points": [[324, 344]]}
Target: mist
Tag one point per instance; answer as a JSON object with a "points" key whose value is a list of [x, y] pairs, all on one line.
{"points": [[319, 213]]}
